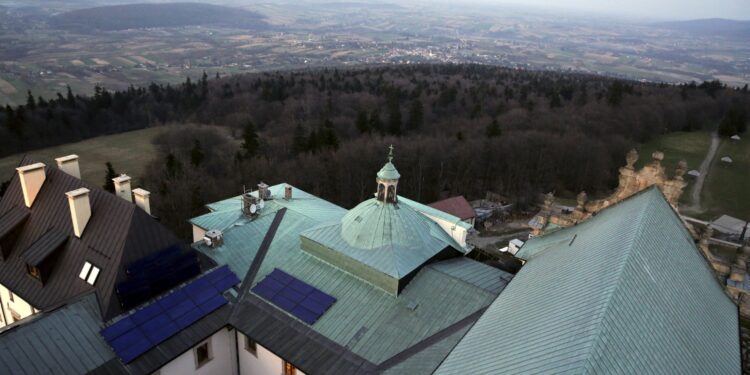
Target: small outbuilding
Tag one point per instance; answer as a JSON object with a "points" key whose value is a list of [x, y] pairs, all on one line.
{"points": [[457, 206], [727, 160], [735, 137], [694, 173]]}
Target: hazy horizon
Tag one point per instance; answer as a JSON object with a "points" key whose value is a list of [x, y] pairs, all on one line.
{"points": [[660, 9]]}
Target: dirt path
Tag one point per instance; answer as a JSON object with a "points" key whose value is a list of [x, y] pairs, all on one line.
{"points": [[703, 170]]}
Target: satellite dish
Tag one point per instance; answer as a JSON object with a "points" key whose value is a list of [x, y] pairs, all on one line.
{"points": [[253, 208], [261, 204]]}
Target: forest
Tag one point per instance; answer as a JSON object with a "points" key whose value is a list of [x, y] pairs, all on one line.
{"points": [[456, 129]]}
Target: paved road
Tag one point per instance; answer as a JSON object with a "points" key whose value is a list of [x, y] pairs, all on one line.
{"points": [[705, 166]]}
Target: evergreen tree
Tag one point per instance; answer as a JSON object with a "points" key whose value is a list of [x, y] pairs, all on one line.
{"points": [[555, 101], [362, 125], [30, 102], [329, 139], [299, 140], [196, 154], [109, 185], [70, 100], [250, 142], [416, 115], [174, 167], [493, 129]]}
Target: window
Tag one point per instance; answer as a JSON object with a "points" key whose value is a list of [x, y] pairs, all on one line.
{"points": [[11, 296], [16, 316], [202, 354], [288, 369], [34, 272], [251, 346], [89, 272]]}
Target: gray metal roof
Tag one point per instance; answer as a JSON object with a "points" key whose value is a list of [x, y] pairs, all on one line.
{"points": [[623, 292], [117, 234], [61, 341]]}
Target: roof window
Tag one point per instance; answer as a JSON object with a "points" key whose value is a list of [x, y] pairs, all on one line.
{"points": [[89, 272]]}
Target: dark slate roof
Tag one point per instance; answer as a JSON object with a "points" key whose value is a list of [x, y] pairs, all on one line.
{"points": [[43, 247], [11, 219], [62, 341], [456, 206], [117, 234]]}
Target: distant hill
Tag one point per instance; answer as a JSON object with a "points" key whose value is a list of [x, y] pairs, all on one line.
{"points": [[710, 27], [140, 16]]}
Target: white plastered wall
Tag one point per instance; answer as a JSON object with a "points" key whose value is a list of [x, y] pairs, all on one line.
{"points": [[21, 307], [262, 362], [223, 357]]}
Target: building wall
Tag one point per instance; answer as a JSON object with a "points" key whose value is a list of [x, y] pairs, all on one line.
{"points": [[198, 233], [458, 233], [23, 308], [261, 363], [223, 357]]}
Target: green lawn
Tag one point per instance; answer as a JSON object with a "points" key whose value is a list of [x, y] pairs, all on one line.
{"points": [[689, 146], [728, 185], [129, 153]]}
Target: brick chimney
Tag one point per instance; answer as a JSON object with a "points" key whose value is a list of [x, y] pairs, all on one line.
{"points": [[32, 178], [80, 209], [288, 192], [142, 199], [69, 165], [122, 187]]}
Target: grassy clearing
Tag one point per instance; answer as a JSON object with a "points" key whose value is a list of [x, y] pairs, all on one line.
{"points": [[727, 185], [689, 146], [129, 153]]}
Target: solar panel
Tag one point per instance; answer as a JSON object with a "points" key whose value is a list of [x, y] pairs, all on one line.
{"points": [[151, 275], [294, 296], [149, 326]]}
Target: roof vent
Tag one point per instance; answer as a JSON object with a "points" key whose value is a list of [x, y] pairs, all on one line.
{"points": [[214, 238], [69, 165], [412, 305], [80, 209], [32, 178], [122, 187]]}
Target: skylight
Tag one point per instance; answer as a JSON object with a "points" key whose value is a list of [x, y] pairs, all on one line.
{"points": [[89, 273]]}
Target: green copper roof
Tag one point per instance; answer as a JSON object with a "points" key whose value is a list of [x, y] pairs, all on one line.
{"points": [[624, 292], [394, 239], [389, 172]]}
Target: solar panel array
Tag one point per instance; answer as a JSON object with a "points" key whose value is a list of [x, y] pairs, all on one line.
{"points": [[294, 296], [147, 327], [152, 275]]}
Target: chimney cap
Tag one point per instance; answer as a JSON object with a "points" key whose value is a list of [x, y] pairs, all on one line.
{"points": [[77, 192], [30, 167], [122, 178], [65, 159], [141, 192]]}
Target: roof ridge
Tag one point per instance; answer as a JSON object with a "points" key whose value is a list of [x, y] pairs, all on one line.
{"points": [[631, 240]]}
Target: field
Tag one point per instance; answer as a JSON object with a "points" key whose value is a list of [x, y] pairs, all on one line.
{"points": [[129, 153], [728, 185], [688, 146]]}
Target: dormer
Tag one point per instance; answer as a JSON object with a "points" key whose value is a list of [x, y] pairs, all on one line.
{"points": [[10, 223], [41, 256]]}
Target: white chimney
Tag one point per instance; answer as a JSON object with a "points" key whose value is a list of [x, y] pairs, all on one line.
{"points": [[122, 187], [142, 199], [80, 209], [32, 178], [69, 165]]}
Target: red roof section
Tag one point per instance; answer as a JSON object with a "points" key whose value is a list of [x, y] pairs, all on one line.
{"points": [[456, 206]]}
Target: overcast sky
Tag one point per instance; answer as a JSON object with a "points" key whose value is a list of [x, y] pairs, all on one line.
{"points": [[662, 9]]}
